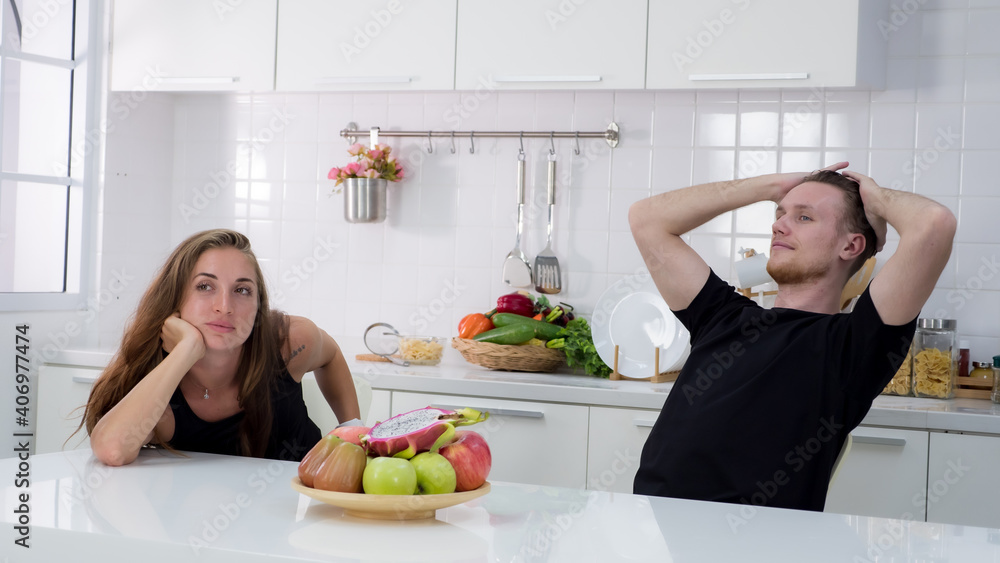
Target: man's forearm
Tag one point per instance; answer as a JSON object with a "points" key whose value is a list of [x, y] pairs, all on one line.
{"points": [[681, 211], [906, 212]]}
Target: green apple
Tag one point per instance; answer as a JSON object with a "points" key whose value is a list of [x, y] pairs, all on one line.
{"points": [[389, 476], [435, 475]]}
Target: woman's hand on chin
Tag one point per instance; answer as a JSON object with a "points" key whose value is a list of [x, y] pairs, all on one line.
{"points": [[177, 331]]}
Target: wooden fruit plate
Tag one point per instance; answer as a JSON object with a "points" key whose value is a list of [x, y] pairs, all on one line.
{"points": [[389, 507]]}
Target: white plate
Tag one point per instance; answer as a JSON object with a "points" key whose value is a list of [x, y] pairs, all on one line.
{"points": [[632, 314]]}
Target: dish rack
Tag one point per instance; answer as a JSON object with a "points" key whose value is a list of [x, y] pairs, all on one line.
{"points": [[657, 377]]}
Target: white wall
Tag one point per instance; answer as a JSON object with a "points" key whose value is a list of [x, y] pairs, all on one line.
{"points": [[451, 223]]}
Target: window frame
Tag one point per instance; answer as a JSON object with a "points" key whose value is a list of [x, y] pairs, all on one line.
{"points": [[86, 114]]}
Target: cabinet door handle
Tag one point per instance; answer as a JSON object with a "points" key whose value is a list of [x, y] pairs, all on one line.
{"points": [[194, 80], [879, 440], [643, 423], [497, 412], [547, 78], [363, 80], [751, 76], [83, 379]]}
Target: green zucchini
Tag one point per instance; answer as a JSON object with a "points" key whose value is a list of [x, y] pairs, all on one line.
{"points": [[543, 330], [510, 334]]}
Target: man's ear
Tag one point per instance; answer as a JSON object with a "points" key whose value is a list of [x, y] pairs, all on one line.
{"points": [[854, 247]]}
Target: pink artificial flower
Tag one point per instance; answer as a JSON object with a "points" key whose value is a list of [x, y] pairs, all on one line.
{"points": [[371, 173], [334, 173], [351, 169], [356, 149], [399, 172], [376, 154]]}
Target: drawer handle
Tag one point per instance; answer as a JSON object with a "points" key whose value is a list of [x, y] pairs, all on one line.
{"points": [[199, 79], [751, 76], [363, 80], [547, 78], [84, 379], [643, 423], [497, 412], [879, 440]]}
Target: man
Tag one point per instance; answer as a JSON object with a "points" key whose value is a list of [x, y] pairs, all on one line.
{"points": [[767, 397]]}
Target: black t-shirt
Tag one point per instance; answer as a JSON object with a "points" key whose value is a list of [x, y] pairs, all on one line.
{"points": [[293, 433], [766, 399]]}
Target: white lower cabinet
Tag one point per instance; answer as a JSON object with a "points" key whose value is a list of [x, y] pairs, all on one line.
{"points": [[884, 474], [381, 407], [62, 393], [962, 475], [614, 445], [537, 443]]}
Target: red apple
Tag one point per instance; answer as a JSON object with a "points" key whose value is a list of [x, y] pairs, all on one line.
{"points": [[469, 454], [351, 434]]}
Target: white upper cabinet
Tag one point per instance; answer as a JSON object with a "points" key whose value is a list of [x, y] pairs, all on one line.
{"points": [[766, 43], [572, 44], [394, 45], [194, 45]]}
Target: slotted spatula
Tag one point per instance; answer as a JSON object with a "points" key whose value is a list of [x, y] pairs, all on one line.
{"points": [[516, 270], [548, 278]]}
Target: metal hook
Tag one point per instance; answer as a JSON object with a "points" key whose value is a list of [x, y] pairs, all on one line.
{"points": [[520, 151], [576, 151], [472, 142], [552, 143], [430, 144], [453, 142]]}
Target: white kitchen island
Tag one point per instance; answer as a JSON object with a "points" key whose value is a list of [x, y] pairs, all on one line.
{"points": [[229, 509]]}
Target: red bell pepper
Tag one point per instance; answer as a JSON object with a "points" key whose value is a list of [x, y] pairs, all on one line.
{"points": [[516, 303]]}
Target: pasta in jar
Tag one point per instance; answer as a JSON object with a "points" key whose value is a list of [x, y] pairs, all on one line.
{"points": [[932, 373], [900, 383]]}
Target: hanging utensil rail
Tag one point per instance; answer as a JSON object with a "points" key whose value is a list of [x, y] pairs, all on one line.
{"points": [[351, 133]]}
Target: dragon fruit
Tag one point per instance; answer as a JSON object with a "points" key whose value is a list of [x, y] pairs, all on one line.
{"points": [[421, 430]]}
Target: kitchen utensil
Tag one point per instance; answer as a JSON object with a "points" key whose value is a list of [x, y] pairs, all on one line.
{"points": [[548, 278], [516, 270], [382, 339], [856, 285], [633, 315]]}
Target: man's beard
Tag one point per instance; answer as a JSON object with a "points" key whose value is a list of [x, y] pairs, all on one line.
{"points": [[796, 272]]}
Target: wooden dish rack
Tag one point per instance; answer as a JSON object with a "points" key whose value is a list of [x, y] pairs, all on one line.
{"points": [[657, 377]]}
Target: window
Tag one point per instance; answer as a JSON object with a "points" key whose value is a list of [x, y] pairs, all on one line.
{"points": [[47, 162]]}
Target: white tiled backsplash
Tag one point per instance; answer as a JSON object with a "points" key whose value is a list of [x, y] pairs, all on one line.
{"points": [[258, 163]]}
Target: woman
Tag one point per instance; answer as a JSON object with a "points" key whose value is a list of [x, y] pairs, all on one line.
{"points": [[206, 365]]}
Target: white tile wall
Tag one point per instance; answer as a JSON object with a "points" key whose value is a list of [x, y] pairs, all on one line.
{"points": [[258, 163]]}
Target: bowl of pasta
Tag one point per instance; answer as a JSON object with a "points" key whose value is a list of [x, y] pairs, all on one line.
{"points": [[421, 350]]}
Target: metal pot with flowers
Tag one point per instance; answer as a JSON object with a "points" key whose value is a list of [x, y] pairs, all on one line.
{"points": [[365, 180]]}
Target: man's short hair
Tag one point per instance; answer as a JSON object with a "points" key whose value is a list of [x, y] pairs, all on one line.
{"points": [[853, 219]]}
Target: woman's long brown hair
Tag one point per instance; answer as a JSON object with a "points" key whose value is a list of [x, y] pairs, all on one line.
{"points": [[141, 349]]}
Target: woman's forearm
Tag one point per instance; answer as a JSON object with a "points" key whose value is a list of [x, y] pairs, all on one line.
{"points": [[119, 435]]}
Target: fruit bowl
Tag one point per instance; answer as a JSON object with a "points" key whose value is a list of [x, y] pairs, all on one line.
{"points": [[389, 507]]}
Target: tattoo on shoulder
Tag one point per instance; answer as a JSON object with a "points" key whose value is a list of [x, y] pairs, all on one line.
{"points": [[296, 351]]}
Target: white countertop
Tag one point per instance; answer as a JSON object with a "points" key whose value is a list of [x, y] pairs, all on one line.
{"points": [[455, 376], [218, 508]]}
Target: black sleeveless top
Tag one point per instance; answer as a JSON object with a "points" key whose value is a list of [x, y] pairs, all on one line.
{"points": [[293, 433]]}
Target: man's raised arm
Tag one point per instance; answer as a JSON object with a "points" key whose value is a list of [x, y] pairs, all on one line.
{"points": [[658, 222], [926, 231]]}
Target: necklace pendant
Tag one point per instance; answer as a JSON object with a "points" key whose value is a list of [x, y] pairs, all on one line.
{"points": [[206, 393]]}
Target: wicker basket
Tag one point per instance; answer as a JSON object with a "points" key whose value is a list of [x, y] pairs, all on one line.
{"points": [[509, 358]]}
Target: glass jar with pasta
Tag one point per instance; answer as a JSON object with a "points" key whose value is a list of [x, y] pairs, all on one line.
{"points": [[902, 382], [935, 358]]}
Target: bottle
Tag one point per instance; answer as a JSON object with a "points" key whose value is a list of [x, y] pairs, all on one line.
{"points": [[963, 358], [996, 380], [935, 358], [981, 370]]}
